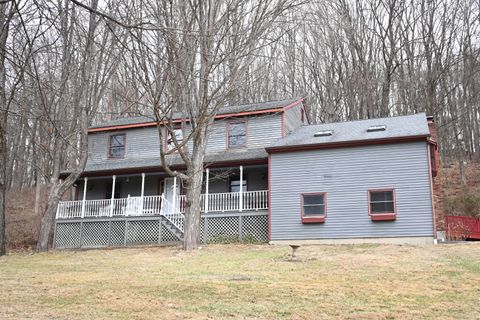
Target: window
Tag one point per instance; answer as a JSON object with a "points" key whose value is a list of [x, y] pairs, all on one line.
{"points": [[117, 146], [177, 130], [235, 184], [382, 204], [314, 207], [237, 134]]}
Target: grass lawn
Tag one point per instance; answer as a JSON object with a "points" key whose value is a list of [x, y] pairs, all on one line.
{"points": [[244, 282]]}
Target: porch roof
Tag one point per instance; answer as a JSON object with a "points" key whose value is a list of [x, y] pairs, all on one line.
{"points": [[117, 166], [355, 133]]}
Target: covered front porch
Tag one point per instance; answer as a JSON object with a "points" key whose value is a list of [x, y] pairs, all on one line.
{"points": [[225, 190], [148, 208]]}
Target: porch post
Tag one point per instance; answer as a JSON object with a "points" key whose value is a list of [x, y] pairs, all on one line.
{"points": [[142, 192], [241, 188], [85, 180], [114, 177], [207, 178], [175, 192]]}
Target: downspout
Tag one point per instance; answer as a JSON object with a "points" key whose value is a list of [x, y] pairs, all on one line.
{"points": [[435, 241]]}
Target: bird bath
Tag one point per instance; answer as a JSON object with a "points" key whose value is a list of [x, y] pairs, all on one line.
{"points": [[294, 251]]}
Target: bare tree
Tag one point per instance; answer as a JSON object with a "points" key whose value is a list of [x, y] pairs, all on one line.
{"points": [[83, 78], [6, 14], [192, 63]]}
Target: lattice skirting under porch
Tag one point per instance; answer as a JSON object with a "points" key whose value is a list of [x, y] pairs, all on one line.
{"points": [[248, 227]]}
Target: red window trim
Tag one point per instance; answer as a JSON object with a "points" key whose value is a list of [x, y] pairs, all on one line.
{"points": [[385, 216], [174, 127], [314, 219], [246, 133], [109, 153]]}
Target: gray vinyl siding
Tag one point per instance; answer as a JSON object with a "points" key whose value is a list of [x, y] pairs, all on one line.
{"points": [[263, 130], [293, 119], [139, 143], [144, 143], [346, 174]]}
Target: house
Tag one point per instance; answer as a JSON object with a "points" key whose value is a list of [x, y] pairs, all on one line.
{"points": [[368, 181], [269, 176]]}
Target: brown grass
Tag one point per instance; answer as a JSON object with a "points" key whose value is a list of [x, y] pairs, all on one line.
{"points": [[244, 282]]}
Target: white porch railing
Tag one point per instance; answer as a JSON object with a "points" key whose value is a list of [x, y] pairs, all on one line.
{"points": [[230, 201], [172, 214], [156, 205], [255, 200]]}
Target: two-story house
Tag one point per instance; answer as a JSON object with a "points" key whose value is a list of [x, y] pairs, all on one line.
{"points": [[269, 175]]}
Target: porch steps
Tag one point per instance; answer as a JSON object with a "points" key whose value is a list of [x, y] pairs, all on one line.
{"points": [[172, 228]]}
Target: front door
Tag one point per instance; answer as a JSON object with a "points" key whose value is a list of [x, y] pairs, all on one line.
{"points": [[168, 187]]}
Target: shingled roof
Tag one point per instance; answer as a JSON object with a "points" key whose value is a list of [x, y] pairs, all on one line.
{"points": [[381, 129], [262, 106], [114, 165]]}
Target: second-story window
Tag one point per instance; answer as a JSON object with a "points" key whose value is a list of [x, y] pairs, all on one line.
{"points": [[177, 130], [237, 134], [116, 149]]}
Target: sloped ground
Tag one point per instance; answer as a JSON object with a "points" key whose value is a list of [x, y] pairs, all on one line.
{"points": [[454, 198], [245, 282], [22, 224]]}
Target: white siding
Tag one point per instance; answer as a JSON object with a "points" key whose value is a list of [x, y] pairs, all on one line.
{"points": [[346, 174]]}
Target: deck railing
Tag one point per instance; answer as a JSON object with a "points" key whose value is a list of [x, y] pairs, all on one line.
{"points": [[152, 205], [230, 201]]}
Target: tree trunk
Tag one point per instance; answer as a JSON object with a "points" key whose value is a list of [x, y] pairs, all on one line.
{"points": [[193, 209], [4, 24], [46, 230], [38, 193], [193, 204], [3, 162], [463, 178]]}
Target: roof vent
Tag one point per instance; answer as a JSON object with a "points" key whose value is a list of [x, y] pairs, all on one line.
{"points": [[377, 128], [323, 133]]}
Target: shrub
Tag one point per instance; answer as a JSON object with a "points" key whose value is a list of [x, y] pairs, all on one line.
{"points": [[467, 203]]}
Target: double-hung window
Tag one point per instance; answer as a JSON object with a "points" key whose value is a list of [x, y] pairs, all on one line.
{"points": [[177, 131], [237, 134], [382, 204], [235, 184], [314, 207], [116, 148]]}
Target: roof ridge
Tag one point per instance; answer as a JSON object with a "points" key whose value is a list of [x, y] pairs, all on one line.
{"points": [[223, 110], [370, 119]]}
